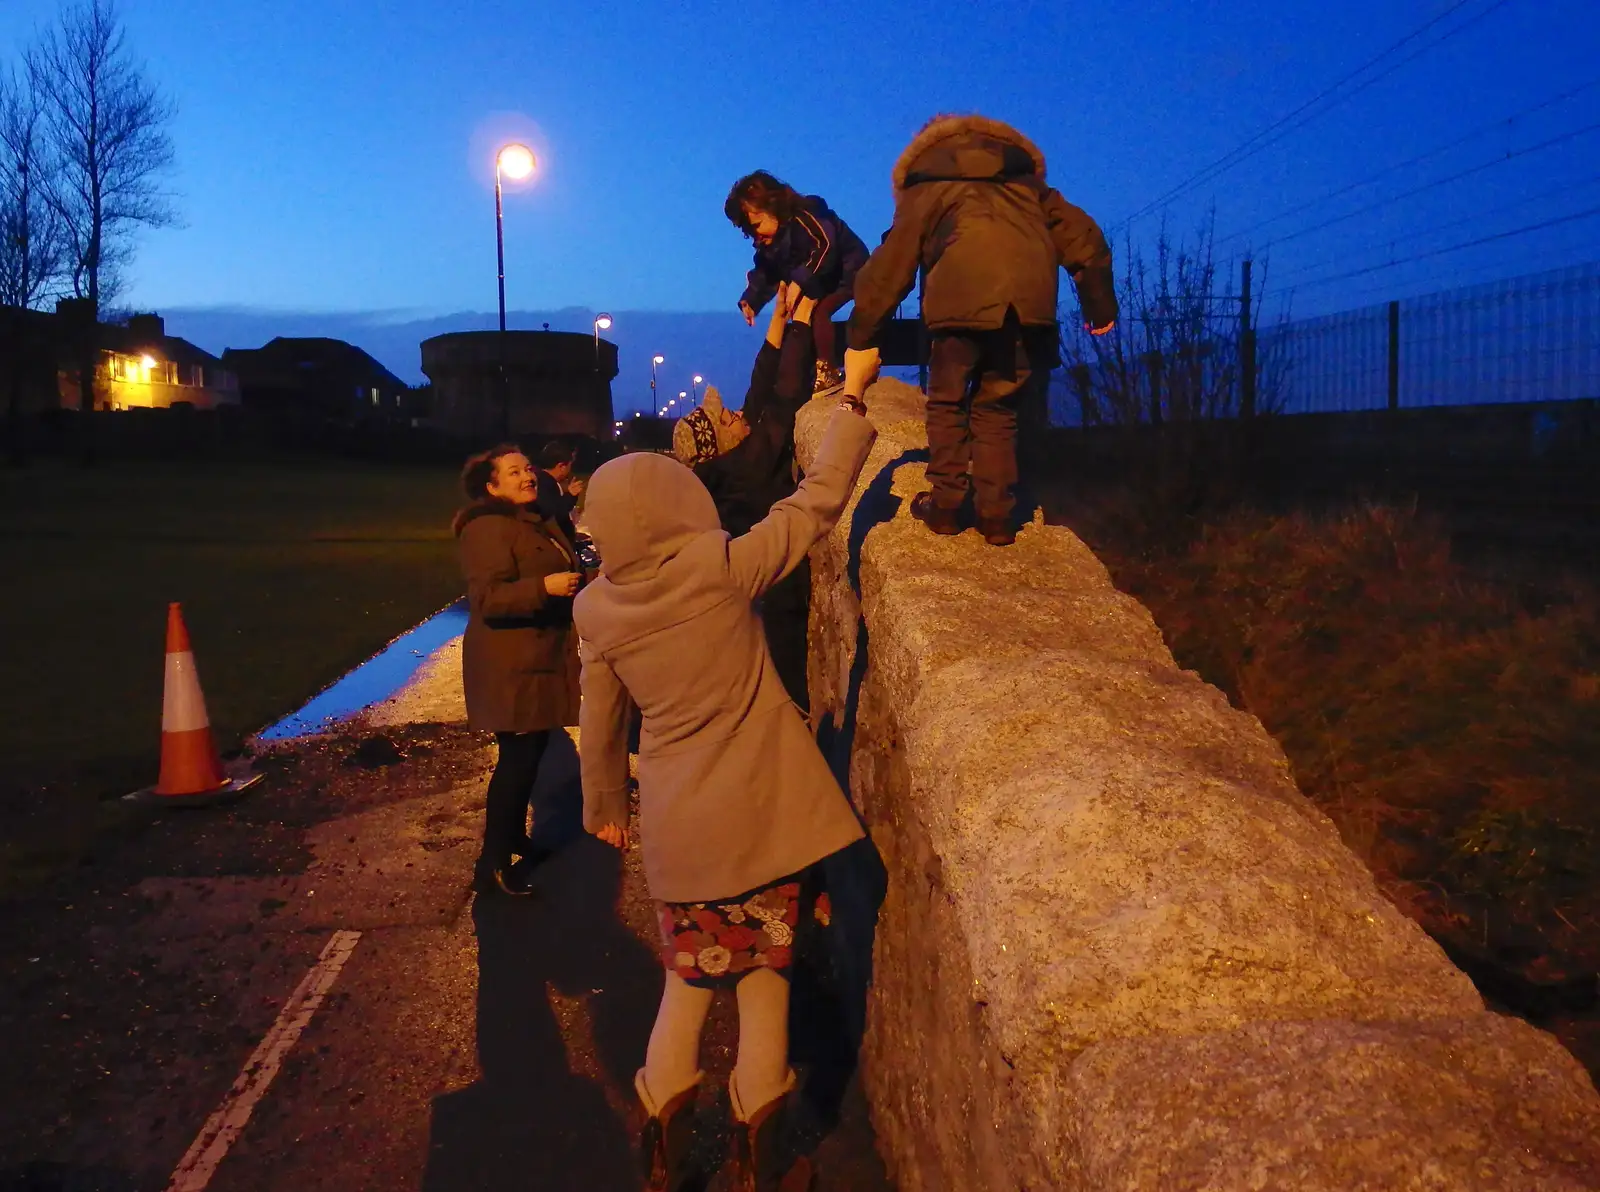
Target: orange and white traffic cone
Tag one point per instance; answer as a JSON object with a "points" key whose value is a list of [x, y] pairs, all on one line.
{"points": [[191, 768]]}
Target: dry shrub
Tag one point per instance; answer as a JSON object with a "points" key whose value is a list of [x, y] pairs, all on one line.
{"points": [[1450, 729]]}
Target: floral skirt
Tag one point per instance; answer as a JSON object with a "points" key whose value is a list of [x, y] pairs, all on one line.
{"points": [[713, 944]]}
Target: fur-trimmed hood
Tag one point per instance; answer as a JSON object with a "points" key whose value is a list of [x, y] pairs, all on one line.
{"points": [[953, 148], [493, 507]]}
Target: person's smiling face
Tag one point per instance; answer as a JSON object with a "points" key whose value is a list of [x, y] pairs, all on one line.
{"points": [[513, 480]]}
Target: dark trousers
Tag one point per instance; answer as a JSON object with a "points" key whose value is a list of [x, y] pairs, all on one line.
{"points": [[974, 378], [822, 330], [505, 817]]}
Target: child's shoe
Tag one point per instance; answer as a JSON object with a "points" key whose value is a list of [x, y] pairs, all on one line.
{"points": [[829, 378], [936, 517]]}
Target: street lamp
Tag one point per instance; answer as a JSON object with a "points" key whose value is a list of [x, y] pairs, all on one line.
{"points": [[655, 360], [602, 322], [516, 162], [694, 387]]}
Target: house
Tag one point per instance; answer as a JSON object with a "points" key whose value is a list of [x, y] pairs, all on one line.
{"points": [[136, 367], [315, 381]]}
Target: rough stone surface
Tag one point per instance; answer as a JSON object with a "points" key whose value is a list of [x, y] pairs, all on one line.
{"points": [[1096, 863]]}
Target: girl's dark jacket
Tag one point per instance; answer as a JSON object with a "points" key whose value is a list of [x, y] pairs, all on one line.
{"points": [[815, 249], [520, 658], [974, 214]]}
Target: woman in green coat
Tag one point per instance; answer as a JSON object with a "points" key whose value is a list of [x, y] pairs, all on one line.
{"points": [[520, 656]]}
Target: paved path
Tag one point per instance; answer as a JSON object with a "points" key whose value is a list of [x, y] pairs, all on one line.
{"points": [[461, 1044]]}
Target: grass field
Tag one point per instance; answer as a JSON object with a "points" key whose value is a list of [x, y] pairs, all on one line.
{"points": [[289, 574]]}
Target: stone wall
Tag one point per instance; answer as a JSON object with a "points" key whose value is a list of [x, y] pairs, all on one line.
{"points": [[1120, 949]]}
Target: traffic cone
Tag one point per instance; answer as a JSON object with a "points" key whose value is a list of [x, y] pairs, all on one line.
{"points": [[191, 768]]}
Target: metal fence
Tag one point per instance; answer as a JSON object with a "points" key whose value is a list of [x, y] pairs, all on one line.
{"points": [[1534, 338]]}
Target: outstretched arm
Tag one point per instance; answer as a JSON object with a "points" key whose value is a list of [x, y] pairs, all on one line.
{"points": [[779, 542], [759, 288], [884, 281], [1083, 252]]}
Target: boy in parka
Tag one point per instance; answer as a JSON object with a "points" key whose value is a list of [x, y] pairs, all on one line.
{"points": [[975, 216]]}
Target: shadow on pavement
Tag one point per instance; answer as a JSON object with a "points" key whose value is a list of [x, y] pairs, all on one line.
{"points": [[533, 1119]]}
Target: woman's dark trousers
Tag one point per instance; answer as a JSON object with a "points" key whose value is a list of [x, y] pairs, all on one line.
{"points": [[505, 820]]}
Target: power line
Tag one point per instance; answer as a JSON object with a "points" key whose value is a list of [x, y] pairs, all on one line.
{"points": [[1559, 220], [1551, 143], [1533, 266], [1293, 122], [1413, 161], [1525, 201]]}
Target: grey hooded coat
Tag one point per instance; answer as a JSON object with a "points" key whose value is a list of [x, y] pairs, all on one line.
{"points": [[733, 791]]}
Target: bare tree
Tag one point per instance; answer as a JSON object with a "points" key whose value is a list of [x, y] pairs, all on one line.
{"points": [[107, 127], [1174, 366], [1175, 354], [32, 240]]}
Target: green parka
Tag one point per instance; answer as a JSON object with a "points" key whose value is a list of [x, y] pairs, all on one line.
{"points": [[974, 212]]}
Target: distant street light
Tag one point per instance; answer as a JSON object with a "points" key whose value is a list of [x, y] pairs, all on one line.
{"points": [[655, 360], [694, 387], [515, 162], [602, 322]]}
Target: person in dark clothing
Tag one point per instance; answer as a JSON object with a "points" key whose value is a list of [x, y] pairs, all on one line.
{"points": [[801, 240], [520, 654], [974, 214], [747, 478], [554, 467]]}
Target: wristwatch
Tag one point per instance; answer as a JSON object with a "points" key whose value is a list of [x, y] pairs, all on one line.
{"points": [[854, 404]]}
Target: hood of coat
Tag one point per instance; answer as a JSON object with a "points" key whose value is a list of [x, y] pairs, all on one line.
{"points": [[975, 148], [492, 507], [641, 510]]}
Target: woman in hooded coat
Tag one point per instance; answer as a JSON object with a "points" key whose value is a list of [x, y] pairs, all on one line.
{"points": [[736, 803]]}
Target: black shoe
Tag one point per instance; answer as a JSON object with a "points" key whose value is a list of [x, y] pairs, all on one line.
{"points": [[936, 517]]}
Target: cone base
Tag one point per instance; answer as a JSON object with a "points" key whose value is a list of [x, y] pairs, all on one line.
{"points": [[240, 779]]}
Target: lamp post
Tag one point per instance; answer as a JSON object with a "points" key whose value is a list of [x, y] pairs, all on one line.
{"points": [[655, 360], [694, 388], [516, 162], [602, 322]]}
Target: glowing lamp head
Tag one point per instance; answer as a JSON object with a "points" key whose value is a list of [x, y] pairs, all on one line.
{"points": [[698, 379], [603, 322], [658, 360], [516, 162]]}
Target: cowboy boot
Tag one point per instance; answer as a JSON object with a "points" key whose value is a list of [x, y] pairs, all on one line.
{"points": [[763, 1153], [667, 1138]]}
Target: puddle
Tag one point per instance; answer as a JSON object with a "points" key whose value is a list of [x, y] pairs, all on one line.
{"points": [[374, 680]]}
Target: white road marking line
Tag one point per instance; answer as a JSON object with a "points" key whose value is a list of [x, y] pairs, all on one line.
{"points": [[222, 1128]]}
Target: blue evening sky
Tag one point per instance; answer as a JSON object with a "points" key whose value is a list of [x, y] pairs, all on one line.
{"points": [[334, 155]]}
